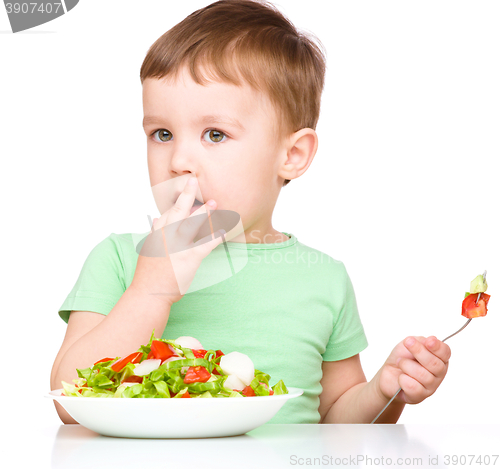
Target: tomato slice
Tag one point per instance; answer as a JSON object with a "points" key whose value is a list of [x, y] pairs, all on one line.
{"points": [[197, 374], [133, 379], [200, 353], [185, 395], [103, 360], [161, 350], [132, 358], [248, 391], [471, 310]]}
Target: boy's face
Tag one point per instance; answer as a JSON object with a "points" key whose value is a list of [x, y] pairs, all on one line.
{"points": [[222, 134]]}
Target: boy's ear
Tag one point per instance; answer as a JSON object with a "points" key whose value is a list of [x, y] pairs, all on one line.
{"points": [[300, 150]]}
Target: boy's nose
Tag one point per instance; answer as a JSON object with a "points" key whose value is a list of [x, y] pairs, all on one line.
{"points": [[182, 155]]}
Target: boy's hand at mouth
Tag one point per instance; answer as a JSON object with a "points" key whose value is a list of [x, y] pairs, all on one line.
{"points": [[418, 365], [169, 257]]}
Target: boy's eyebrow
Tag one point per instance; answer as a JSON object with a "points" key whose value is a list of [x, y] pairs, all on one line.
{"points": [[211, 119], [220, 119]]}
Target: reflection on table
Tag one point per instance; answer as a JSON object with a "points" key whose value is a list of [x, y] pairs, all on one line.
{"points": [[282, 446]]}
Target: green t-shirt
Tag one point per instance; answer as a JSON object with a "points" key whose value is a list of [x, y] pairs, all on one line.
{"points": [[287, 306]]}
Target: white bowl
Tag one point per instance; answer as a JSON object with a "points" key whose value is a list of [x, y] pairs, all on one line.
{"points": [[173, 418]]}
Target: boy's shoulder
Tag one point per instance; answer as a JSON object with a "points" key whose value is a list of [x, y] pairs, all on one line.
{"points": [[313, 253], [318, 261], [118, 248], [316, 252], [124, 243]]}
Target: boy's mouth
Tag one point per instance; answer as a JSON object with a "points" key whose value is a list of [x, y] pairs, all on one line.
{"points": [[196, 205]]}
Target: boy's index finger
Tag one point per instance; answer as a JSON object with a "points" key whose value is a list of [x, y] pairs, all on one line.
{"points": [[184, 202], [435, 346], [432, 360], [438, 348]]}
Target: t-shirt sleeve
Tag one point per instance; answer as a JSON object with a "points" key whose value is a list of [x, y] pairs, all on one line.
{"points": [[101, 282], [348, 336]]}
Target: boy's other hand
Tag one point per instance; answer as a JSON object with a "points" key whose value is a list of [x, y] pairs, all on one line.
{"points": [[418, 368], [169, 258]]}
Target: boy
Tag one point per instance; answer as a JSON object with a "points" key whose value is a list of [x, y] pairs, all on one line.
{"points": [[231, 99]]}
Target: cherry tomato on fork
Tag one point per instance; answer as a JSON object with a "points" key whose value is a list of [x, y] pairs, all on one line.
{"points": [[471, 310]]}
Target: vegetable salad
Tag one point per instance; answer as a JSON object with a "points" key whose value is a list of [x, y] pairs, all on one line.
{"points": [[178, 368]]}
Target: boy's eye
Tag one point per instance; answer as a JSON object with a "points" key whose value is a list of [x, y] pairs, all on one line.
{"points": [[164, 135], [215, 136]]}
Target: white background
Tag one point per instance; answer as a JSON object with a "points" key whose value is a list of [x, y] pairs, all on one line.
{"points": [[403, 188]]}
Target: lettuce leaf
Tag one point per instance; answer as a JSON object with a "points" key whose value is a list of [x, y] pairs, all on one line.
{"points": [[280, 388]]}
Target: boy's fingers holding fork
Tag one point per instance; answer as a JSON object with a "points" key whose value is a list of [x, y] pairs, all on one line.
{"points": [[418, 365], [430, 352], [438, 348], [428, 348]]}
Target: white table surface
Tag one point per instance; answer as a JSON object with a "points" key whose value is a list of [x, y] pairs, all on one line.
{"points": [[36, 439]]}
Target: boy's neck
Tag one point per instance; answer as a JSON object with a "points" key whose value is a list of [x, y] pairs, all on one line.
{"points": [[254, 236]]}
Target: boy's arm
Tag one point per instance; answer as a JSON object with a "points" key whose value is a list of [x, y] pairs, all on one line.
{"points": [[417, 364], [79, 323], [348, 398], [88, 339]]}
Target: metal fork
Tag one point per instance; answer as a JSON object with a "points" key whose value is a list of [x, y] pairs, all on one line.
{"points": [[461, 329]]}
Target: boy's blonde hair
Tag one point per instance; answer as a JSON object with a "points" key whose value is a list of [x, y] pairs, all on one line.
{"points": [[234, 39]]}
